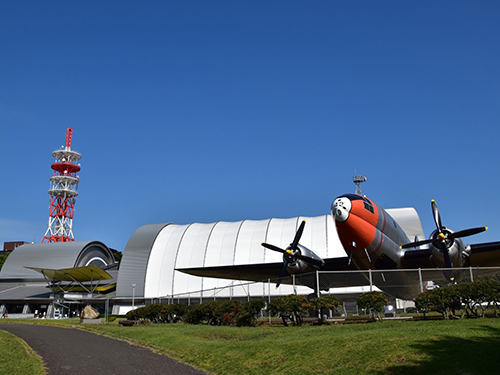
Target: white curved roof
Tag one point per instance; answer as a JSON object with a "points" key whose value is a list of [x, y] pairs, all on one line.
{"points": [[165, 247]]}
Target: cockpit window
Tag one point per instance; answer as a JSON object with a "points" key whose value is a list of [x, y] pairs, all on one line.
{"points": [[354, 197], [368, 205]]}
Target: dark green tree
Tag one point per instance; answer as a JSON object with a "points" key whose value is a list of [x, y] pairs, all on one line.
{"points": [[326, 302], [374, 302], [290, 307]]}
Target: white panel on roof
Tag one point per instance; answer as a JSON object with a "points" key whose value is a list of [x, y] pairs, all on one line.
{"points": [[248, 247], [165, 285], [199, 246], [306, 239], [409, 221], [275, 237], [335, 248], [317, 235], [186, 246], [155, 268], [229, 244], [191, 253], [214, 248]]}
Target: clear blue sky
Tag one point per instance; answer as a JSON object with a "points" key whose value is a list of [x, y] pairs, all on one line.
{"points": [[199, 111]]}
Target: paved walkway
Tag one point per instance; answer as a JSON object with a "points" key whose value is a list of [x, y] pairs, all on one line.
{"points": [[72, 351]]}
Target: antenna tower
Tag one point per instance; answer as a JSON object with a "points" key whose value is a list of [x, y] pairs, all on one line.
{"points": [[358, 180], [63, 191]]}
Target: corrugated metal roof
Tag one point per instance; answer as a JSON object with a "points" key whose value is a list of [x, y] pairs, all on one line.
{"points": [[24, 292], [52, 255], [135, 260]]}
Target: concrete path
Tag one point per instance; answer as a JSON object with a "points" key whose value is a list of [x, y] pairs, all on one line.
{"points": [[71, 351]]}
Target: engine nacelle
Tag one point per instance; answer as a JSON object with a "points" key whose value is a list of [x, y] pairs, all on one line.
{"points": [[455, 248], [296, 266]]}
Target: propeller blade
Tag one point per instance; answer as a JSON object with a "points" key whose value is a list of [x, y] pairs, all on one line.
{"points": [[274, 248], [296, 239], [447, 259], [282, 273], [468, 232], [437, 217], [415, 244]]}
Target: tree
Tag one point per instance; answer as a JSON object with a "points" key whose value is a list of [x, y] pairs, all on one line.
{"points": [[374, 302], [444, 300], [3, 258], [325, 302], [290, 307], [118, 256], [248, 316], [159, 313]]}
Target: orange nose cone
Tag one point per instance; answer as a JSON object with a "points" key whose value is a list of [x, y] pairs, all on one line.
{"points": [[355, 233]]}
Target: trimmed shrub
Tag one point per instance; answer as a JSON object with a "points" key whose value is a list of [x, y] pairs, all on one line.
{"points": [[290, 307], [325, 302], [374, 302], [159, 313], [248, 316]]}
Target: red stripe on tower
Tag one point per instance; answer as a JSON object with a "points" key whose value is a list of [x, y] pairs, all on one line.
{"points": [[63, 191]]}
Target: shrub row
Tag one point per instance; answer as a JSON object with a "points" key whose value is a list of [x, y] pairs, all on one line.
{"points": [[213, 313], [158, 313], [226, 313], [475, 297], [294, 308]]}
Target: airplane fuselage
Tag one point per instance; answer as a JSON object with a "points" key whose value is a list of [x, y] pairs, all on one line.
{"points": [[372, 240], [369, 235]]}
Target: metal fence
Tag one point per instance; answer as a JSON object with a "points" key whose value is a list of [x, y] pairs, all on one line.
{"points": [[401, 286]]}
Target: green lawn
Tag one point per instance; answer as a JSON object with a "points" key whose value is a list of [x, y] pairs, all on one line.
{"points": [[17, 358], [467, 346]]}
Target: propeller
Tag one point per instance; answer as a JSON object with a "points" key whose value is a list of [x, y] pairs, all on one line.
{"points": [[292, 253], [442, 238]]}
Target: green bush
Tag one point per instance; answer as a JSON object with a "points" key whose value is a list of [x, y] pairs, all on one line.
{"points": [[325, 302], [159, 313], [227, 313], [248, 316], [290, 307], [374, 302], [475, 298], [3, 258]]}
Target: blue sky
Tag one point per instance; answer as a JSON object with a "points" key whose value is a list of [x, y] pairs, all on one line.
{"points": [[200, 111]]}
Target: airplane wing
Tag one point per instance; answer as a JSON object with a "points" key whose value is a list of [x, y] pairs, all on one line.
{"points": [[479, 255], [484, 254], [263, 272]]}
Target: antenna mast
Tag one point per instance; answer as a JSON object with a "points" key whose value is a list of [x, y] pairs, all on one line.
{"points": [[358, 180], [63, 191]]}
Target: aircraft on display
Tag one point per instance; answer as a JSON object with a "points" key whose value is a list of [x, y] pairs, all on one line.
{"points": [[372, 240]]}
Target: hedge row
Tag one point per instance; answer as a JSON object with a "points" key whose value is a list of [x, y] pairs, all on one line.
{"points": [[213, 313], [292, 308], [475, 298], [158, 313], [226, 313]]}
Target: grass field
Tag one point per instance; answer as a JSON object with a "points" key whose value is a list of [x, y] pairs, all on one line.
{"points": [[16, 358], [467, 346]]}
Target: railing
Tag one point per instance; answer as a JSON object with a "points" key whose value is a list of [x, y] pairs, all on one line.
{"points": [[402, 286]]}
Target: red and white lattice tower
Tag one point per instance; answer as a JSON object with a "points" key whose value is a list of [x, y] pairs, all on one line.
{"points": [[63, 191]]}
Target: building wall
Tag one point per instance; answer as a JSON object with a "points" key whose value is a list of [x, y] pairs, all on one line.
{"points": [[154, 252]]}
